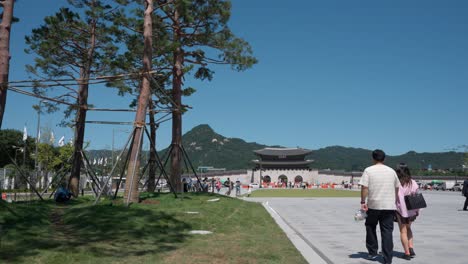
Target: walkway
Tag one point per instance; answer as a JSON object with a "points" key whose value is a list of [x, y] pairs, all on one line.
{"points": [[327, 226]]}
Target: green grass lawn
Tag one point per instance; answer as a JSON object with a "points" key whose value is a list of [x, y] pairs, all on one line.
{"points": [[154, 231], [304, 193]]}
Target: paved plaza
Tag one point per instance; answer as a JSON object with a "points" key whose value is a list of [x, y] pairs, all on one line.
{"points": [[329, 233]]}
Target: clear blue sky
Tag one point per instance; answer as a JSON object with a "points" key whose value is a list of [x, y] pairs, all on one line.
{"points": [[369, 74]]}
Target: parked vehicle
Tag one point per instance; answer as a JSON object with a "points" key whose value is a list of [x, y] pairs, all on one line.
{"points": [[426, 186], [449, 185], [439, 186], [457, 187], [253, 185]]}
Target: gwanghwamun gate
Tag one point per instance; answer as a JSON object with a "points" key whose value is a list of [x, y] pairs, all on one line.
{"points": [[282, 167]]}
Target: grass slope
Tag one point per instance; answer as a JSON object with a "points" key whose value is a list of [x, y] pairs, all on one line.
{"points": [[154, 231], [304, 193]]}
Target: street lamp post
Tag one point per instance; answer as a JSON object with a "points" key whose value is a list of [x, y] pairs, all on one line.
{"points": [[38, 131], [15, 182], [16, 151], [24, 154]]}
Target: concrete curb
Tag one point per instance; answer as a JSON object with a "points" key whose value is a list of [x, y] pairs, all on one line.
{"points": [[309, 251]]}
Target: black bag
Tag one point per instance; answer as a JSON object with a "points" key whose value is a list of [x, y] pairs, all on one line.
{"points": [[415, 201]]}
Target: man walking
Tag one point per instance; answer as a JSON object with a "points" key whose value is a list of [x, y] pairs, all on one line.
{"points": [[465, 193], [379, 184]]}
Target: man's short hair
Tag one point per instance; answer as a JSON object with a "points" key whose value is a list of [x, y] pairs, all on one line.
{"points": [[378, 155]]}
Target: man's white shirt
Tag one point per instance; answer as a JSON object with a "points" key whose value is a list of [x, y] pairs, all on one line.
{"points": [[381, 181]]}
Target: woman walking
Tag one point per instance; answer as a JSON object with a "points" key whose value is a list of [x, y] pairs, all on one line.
{"points": [[404, 216]]}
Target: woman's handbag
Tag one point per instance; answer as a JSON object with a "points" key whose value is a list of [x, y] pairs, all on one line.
{"points": [[415, 201]]}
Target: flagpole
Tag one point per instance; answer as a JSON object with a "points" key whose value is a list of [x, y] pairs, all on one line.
{"points": [[25, 138], [37, 138]]}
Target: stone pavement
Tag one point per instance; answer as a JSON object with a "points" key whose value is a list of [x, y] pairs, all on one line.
{"points": [[328, 228]]}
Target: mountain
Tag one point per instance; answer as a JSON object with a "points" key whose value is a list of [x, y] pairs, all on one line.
{"points": [[205, 147], [357, 159]]}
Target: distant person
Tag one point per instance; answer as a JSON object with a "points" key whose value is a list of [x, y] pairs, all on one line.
{"points": [[205, 184], [228, 184], [238, 188], [218, 185], [190, 186], [404, 216], [379, 184], [465, 193], [212, 184], [185, 184], [62, 195]]}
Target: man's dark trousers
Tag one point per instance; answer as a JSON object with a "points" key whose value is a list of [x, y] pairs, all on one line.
{"points": [[385, 219], [465, 193]]}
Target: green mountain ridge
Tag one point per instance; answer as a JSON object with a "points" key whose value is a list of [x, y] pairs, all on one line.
{"points": [[205, 147]]}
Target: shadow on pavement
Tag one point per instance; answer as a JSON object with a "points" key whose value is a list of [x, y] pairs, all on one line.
{"points": [[379, 258]]}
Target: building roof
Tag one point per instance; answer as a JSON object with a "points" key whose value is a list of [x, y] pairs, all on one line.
{"points": [[282, 151], [282, 163]]}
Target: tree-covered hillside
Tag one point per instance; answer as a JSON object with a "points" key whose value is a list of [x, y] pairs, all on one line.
{"points": [[208, 148]]}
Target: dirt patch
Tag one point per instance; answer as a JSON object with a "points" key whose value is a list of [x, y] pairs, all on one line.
{"points": [[150, 202], [61, 230]]}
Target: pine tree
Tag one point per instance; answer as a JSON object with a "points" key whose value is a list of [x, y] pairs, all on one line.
{"points": [[78, 46], [131, 194], [131, 25], [182, 31], [5, 27], [198, 26]]}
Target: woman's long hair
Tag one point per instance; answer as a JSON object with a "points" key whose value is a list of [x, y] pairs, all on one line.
{"points": [[404, 174]]}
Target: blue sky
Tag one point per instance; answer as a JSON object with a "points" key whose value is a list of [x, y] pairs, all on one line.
{"points": [[369, 74]]}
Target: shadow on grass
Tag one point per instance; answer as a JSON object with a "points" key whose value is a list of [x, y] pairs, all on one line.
{"points": [[26, 231], [94, 231], [187, 195], [119, 231]]}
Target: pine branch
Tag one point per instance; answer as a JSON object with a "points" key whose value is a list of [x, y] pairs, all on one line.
{"points": [[196, 62]]}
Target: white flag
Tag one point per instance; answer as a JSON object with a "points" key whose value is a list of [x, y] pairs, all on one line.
{"points": [[70, 142], [52, 138], [100, 161], [61, 141], [94, 162], [105, 161], [25, 134]]}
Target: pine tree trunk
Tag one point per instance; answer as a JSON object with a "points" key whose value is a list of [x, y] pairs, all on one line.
{"points": [[79, 137], [5, 27], [152, 166], [74, 183], [177, 71], [131, 194]]}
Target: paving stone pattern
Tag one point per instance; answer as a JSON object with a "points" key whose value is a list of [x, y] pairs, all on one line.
{"points": [[440, 232]]}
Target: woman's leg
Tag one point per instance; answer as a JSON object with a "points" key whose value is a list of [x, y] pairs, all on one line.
{"points": [[410, 236], [404, 236]]}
